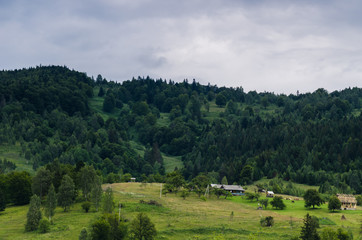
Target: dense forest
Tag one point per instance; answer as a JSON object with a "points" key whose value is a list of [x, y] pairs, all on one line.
{"points": [[312, 138]]}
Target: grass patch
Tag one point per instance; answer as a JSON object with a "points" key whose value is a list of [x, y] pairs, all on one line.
{"points": [[12, 153], [171, 162]]}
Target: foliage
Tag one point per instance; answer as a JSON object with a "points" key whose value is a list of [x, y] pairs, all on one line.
{"points": [[34, 214], [108, 203], [100, 230], [264, 203], [185, 194], [86, 206], [44, 225], [41, 182], [251, 196], [142, 228], [309, 229], [312, 198], [278, 203], [83, 234], [18, 187], [359, 200], [267, 221], [334, 203], [109, 227], [66, 193], [87, 176], [96, 193], [51, 203]]}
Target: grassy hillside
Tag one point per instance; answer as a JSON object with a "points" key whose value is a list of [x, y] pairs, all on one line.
{"points": [[12, 153], [192, 218]]}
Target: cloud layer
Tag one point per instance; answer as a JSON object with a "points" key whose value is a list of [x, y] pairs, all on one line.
{"points": [[282, 47]]}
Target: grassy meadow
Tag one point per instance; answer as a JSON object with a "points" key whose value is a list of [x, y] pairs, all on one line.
{"points": [[192, 218]]}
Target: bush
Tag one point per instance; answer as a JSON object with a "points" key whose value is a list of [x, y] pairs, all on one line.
{"points": [[86, 206], [44, 225], [267, 221]]}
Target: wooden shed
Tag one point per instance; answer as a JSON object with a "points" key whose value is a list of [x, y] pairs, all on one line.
{"points": [[349, 202]]}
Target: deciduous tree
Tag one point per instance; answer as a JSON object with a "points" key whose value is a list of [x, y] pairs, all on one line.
{"points": [[66, 193], [312, 198], [334, 203], [142, 228]]}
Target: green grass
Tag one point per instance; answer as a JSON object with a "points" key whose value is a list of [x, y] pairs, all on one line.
{"points": [[171, 162], [12, 153], [96, 104], [185, 219]]}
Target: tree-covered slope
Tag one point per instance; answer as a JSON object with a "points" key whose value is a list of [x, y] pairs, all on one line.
{"points": [[309, 138]]}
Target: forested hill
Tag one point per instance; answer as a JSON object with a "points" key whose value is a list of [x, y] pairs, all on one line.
{"points": [[131, 127]]}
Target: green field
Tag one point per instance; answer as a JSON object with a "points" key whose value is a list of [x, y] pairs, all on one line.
{"points": [[192, 218], [12, 153]]}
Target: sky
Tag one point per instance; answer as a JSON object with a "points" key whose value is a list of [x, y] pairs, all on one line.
{"points": [[276, 46]]}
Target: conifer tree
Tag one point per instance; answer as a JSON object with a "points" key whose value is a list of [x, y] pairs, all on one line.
{"points": [[309, 230], [34, 214], [51, 203]]}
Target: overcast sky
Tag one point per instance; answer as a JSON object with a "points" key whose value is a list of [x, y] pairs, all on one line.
{"points": [[276, 45]]}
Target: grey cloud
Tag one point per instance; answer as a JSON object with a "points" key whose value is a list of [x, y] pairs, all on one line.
{"points": [[279, 46]]}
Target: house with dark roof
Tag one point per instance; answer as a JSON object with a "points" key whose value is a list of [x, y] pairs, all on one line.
{"points": [[235, 190]]}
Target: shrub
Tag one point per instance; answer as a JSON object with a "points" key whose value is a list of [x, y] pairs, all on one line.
{"points": [[44, 225], [86, 206], [267, 221]]}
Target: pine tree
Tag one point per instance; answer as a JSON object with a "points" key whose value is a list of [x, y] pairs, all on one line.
{"points": [[51, 203], [96, 194], [34, 214], [108, 204], [309, 230], [66, 192]]}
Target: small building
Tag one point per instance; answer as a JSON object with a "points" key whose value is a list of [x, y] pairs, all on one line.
{"points": [[348, 201], [270, 194], [133, 179], [235, 190]]}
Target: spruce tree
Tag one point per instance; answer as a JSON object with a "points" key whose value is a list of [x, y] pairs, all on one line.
{"points": [[309, 230], [66, 193], [142, 228], [34, 214], [51, 203]]}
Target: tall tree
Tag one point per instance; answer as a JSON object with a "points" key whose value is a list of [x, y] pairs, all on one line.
{"points": [[51, 203], [41, 182], [96, 194], [309, 230], [334, 203], [108, 203], [142, 228], [19, 190], [34, 214], [87, 179], [312, 198], [66, 193]]}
